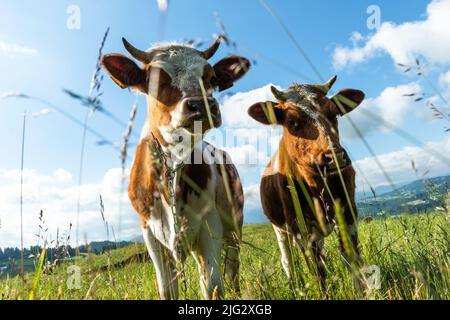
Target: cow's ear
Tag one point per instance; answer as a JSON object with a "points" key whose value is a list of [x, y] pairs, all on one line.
{"points": [[347, 99], [125, 72], [266, 112], [230, 69]]}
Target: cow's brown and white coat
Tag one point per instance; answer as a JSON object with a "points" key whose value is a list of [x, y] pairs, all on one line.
{"points": [[310, 168], [179, 183]]}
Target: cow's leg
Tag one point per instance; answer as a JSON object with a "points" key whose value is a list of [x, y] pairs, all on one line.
{"points": [[286, 251], [316, 242], [354, 256], [209, 257], [166, 273], [232, 262], [312, 252], [355, 242], [352, 260]]}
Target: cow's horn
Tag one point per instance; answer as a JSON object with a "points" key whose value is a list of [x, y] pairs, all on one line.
{"points": [[139, 55], [327, 85], [208, 53], [279, 95]]}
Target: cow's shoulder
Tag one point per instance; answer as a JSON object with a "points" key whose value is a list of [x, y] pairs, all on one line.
{"points": [[229, 193], [271, 198], [143, 181], [195, 179]]}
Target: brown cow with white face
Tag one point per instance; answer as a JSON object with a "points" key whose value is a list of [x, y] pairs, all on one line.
{"points": [[310, 169], [187, 193]]}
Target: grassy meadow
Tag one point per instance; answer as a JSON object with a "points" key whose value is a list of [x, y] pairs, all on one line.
{"points": [[411, 251]]}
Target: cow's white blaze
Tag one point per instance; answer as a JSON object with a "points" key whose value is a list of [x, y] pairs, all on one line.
{"points": [[176, 122], [182, 63]]}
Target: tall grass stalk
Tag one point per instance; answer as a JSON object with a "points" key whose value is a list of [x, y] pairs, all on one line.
{"points": [[80, 176], [21, 191], [123, 160], [95, 85], [38, 272], [59, 110], [232, 44], [291, 36]]}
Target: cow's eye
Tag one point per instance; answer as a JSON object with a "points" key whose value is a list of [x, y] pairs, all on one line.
{"points": [[292, 123]]}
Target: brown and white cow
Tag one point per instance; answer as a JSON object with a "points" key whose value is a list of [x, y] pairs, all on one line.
{"points": [[188, 198], [310, 169]]}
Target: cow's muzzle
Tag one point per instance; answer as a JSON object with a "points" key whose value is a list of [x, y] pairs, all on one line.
{"points": [[333, 161], [199, 109], [199, 105]]}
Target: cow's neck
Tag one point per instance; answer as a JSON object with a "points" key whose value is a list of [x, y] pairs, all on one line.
{"points": [[287, 166], [175, 154], [313, 175]]}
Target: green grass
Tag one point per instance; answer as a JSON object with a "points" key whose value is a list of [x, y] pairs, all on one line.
{"points": [[411, 251]]}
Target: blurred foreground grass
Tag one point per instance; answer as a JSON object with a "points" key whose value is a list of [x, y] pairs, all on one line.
{"points": [[412, 253]]}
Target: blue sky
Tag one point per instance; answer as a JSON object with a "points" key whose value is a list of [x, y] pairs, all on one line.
{"points": [[40, 56]]}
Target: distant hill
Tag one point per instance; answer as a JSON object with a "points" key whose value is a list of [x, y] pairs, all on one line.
{"points": [[10, 257], [367, 193], [419, 186], [101, 246], [417, 196], [138, 239]]}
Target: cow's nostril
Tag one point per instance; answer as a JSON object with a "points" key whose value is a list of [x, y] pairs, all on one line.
{"points": [[326, 159], [213, 105], [198, 105], [323, 159], [193, 105]]}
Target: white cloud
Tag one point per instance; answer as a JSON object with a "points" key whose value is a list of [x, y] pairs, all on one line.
{"points": [[356, 37], [391, 105], [251, 194], [13, 49], [234, 108], [247, 141], [56, 194], [404, 42], [247, 154], [399, 167], [444, 80]]}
